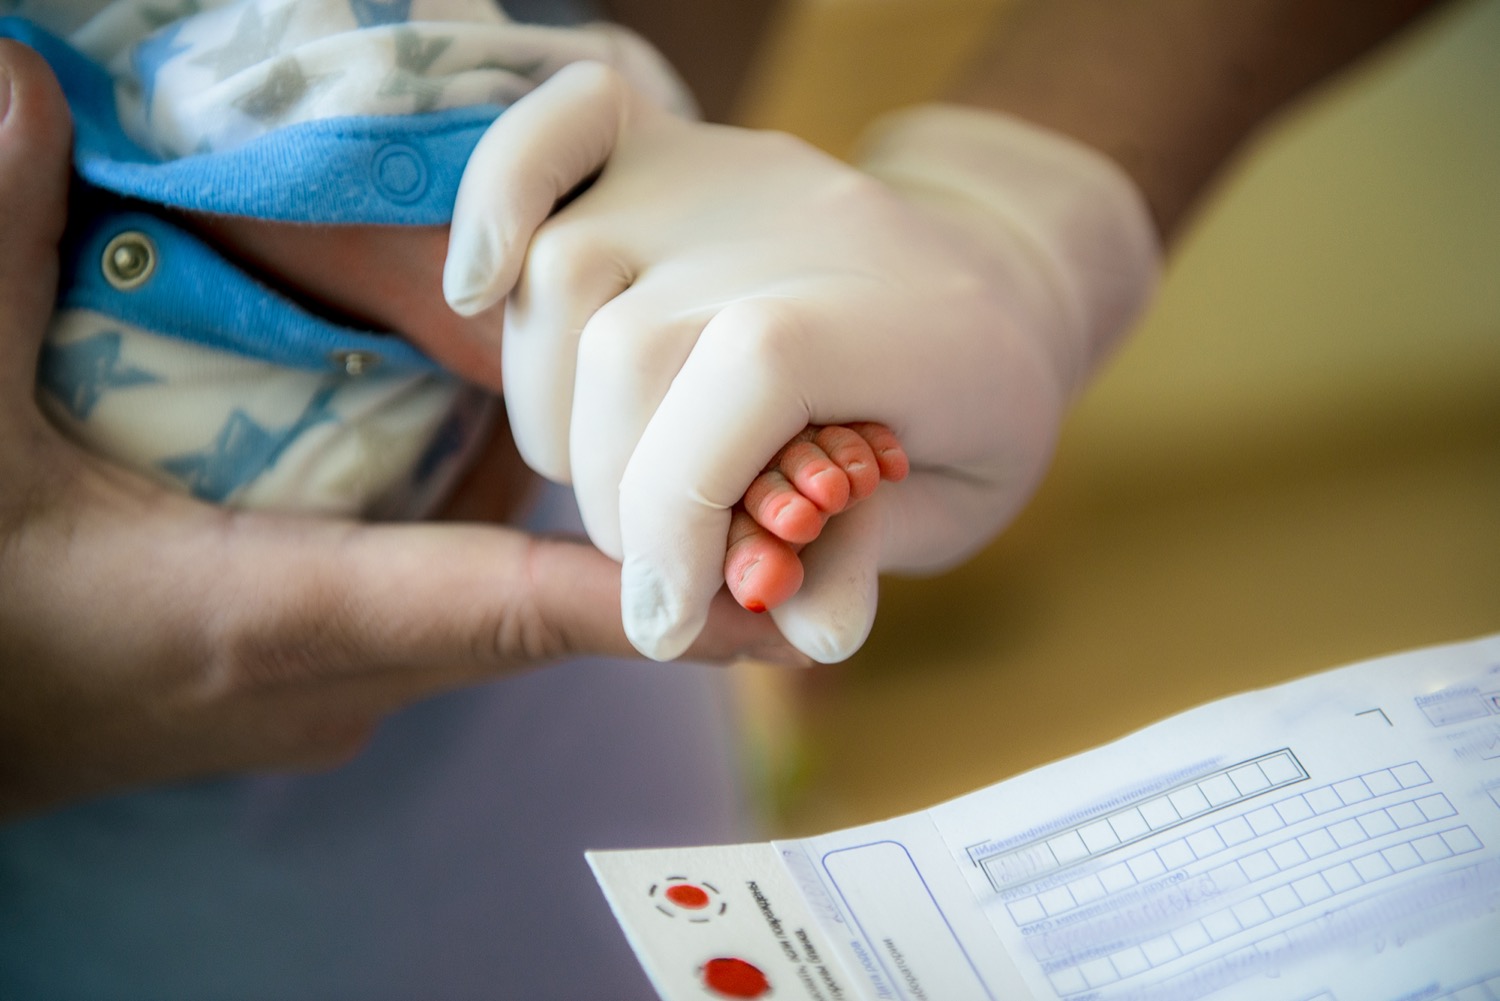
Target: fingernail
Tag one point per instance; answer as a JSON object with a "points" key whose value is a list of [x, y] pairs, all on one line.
{"points": [[4, 93], [469, 274]]}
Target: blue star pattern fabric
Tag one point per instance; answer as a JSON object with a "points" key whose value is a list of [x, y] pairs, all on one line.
{"points": [[80, 373], [244, 447], [318, 111], [150, 55], [371, 12]]}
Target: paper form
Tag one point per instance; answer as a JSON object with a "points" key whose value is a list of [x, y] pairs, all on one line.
{"points": [[1336, 838]]}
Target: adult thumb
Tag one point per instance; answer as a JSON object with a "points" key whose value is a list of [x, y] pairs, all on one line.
{"points": [[35, 135]]}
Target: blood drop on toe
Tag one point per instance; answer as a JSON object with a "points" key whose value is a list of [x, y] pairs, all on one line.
{"points": [[735, 978], [687, 896]]}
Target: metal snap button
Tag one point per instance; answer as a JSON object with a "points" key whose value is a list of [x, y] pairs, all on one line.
{"points": [[355, 363], [129, 259]]}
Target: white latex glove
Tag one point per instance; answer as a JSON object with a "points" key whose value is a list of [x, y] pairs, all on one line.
{"points": [[717, 289]]}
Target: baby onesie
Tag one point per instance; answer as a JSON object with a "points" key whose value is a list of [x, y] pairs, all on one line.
{"points": [[166, 357]]}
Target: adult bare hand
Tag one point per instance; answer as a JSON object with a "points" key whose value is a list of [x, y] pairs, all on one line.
{"points": [[145, 636]]}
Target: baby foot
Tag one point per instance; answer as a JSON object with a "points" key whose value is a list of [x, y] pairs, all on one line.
{"points": [[821, 472]]}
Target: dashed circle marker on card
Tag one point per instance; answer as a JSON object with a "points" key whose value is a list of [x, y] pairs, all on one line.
{"points": [[696, 900]]}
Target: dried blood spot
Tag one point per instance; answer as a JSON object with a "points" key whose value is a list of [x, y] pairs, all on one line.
{"points": [[687, 895], [735, 978]]}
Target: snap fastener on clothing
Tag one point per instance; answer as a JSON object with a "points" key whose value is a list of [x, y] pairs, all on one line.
{"points": [[400, 173], [355, 363], [129, 259]]}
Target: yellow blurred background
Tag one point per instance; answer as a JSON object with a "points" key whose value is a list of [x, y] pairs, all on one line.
{"points": [[1294, 464]]}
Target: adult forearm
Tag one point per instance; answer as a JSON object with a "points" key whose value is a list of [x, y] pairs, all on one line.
{"points": [[1169, 88]]}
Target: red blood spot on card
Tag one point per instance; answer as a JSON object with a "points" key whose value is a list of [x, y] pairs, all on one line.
{"points": [[735, 978], [687, 895]]}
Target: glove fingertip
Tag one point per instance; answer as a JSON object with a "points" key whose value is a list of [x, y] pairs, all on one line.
{"points": [[828, 632], [659, 623], [830, 618], [479, 270]]}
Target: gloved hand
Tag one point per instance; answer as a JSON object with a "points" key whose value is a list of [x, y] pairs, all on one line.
{"points": [[715, 289]]}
